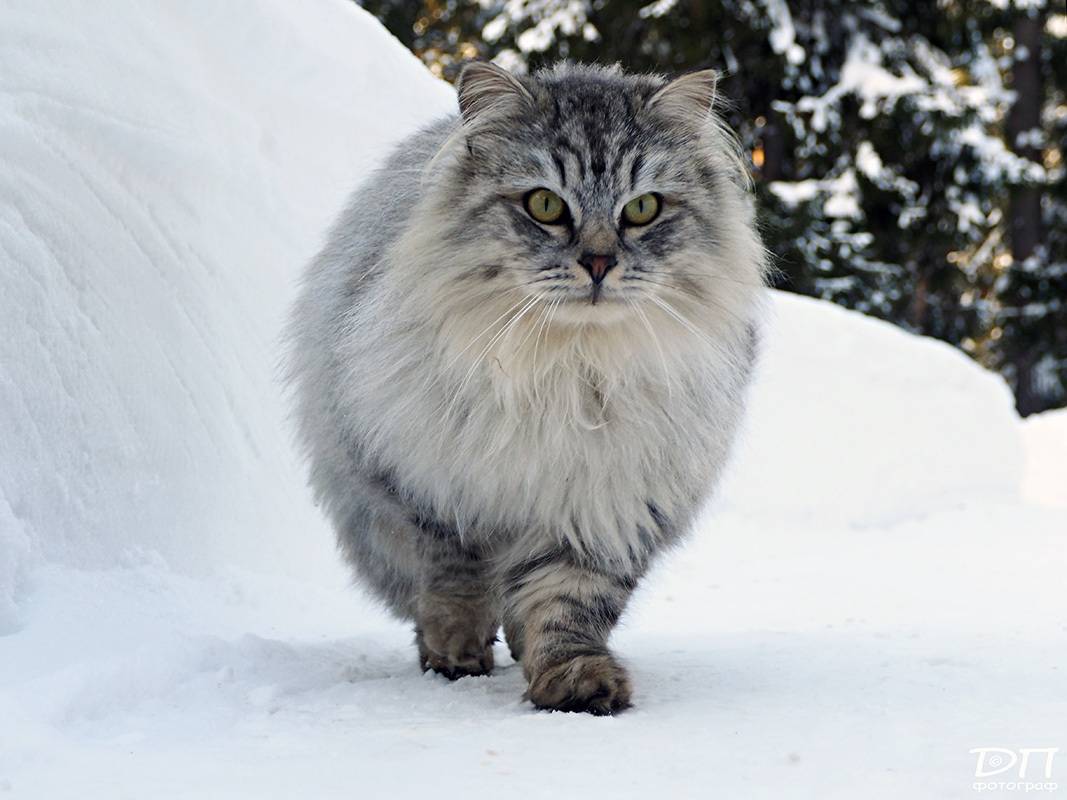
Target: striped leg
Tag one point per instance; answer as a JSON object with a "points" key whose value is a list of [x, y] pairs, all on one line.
{"points": [[558, 614], [456, 616]]}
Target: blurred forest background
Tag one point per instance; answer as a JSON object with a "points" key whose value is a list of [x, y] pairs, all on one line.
{"points": [[909, 156]]}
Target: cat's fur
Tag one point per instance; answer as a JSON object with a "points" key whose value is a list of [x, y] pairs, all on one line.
{"points": [[492, 446]]}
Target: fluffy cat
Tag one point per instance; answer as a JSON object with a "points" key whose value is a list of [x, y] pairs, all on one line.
{"points": [[520, 360]]}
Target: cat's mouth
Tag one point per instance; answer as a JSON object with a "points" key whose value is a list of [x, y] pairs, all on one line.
{"points": [[592, 299], [594, 294], [599, 295], [593, 304]]}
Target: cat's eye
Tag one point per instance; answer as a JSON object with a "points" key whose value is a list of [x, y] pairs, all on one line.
{"points": [[641, 210], [546, 206]]}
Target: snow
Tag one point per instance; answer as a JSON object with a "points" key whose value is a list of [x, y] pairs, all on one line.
{"points": [[876, 592], [843, 200], [1045, 438], [550, 18], [793, 193], [842, 194], [868, 161], [659, 8], [783, 35], [164, 171], [997, 158], [863, 75], [856, 423]]}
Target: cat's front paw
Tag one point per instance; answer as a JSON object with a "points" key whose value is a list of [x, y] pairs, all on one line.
{"points": [[595, 684], [455, 656]]}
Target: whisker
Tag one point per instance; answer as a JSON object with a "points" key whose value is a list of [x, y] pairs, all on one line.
{"points": [[441, 375], [470, 344], [655, 339], [704, 299], [485, 350], [541, 315], [545, 326], [641, 276], [678, 317]]}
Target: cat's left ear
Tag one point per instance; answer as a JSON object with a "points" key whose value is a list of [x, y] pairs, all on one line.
{"points": [[689, 97], [484, 88]]}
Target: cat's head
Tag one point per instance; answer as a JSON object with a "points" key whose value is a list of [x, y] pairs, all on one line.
{"points": [[602, 193]]}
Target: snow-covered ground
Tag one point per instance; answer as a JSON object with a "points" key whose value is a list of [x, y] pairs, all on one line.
{"points": [[878, 590]]}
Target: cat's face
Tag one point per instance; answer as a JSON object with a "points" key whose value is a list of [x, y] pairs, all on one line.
{"points": [[599, 193]]}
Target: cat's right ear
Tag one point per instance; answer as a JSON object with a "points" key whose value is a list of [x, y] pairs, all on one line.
{"points": [[688, 97], [486, 89]]}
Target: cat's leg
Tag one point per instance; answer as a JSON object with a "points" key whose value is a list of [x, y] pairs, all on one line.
{"points": [[423, 572], [559, 610], [456, 616]]}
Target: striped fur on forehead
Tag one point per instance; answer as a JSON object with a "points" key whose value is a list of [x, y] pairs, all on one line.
{"points": [[592, 123]]}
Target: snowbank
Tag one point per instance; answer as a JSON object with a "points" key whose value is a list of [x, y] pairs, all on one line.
{"points": [[854, 421], [172, 620], [1045, 475], [166, 170]]}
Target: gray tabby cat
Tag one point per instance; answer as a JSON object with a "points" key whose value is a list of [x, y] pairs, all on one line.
{"points": [[520, 360]]}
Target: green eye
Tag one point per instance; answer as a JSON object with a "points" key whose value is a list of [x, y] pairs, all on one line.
{"points": [[641, 210], [545, 206]]}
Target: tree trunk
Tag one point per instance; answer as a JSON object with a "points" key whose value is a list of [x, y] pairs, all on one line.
{"points": [[773, 149], [1025, 117]]}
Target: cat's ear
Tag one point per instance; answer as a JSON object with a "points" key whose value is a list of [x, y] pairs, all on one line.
{"points": [[485, 88], [689, 97]]}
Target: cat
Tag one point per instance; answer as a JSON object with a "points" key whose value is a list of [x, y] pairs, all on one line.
{"points": [[520, 360]]}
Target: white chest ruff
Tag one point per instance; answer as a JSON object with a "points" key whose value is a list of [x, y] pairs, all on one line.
{"points": [[598, 462]]}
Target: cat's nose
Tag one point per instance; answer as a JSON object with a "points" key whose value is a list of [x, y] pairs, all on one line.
{"points": [[597, 264]]}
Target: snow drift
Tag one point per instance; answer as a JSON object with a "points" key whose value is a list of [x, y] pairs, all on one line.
{"points": [[166, 171], [1045, 473], [167, 589], [855, 421]]}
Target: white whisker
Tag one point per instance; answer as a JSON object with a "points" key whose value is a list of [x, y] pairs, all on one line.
{"points": [[678, 317], [481, 356], [655, 339]]}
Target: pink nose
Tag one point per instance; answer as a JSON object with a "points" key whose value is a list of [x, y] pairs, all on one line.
{"points": [[597, 264]]}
